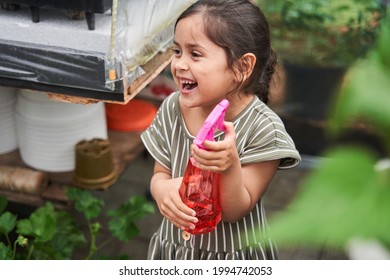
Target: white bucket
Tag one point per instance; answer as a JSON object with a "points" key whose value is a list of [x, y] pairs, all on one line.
{"points": [[48, 130], [8, 138]]}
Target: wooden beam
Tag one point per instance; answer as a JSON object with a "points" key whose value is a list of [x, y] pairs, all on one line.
{"points": [[152, 68]]}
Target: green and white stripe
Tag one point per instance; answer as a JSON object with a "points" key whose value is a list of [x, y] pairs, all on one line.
{"points": [[261, 136]]}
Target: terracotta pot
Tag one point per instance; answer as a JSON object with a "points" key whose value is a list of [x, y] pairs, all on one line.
{"points": [[136, 115]]}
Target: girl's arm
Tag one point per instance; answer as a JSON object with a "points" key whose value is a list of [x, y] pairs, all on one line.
{"points": [[239, 197], [165, 191], [241, 186]]}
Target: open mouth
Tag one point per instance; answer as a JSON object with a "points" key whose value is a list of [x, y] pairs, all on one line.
{"points": [[188, 85]]}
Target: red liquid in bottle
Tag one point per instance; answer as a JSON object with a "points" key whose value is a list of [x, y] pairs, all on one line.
{"points": [[199, 190]]}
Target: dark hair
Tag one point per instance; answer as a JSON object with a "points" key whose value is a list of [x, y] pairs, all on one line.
{"points": [[239, 27]]}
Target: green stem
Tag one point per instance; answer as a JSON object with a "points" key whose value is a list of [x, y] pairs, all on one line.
{"points": [[30, 251], [14, 250], [92, 247], [8, 240]]}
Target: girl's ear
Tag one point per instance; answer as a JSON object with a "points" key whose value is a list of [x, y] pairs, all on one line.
{"points": [[247, 63]]}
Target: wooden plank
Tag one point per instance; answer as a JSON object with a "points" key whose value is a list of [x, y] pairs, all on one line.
{"points": [[56, 195], [152, 68], [126, 146]]}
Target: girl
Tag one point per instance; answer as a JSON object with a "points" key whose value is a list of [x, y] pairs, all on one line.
{"points": [[221, 50]]}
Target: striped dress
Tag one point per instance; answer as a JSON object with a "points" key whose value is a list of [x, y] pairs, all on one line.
{"points": [[261, 136]]}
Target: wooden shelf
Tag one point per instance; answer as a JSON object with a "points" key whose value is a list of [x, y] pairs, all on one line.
{"points": [[152, 68], [126, 146]]}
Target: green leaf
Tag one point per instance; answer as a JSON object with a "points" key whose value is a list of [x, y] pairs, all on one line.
{"points": [[344, 197], [41, 224], [56, 233], [123, 224], [3, 203], [123, 229], [7, 222], [68, 236], [368, 82], [5, 252], [367, 92], [44, 251], [136, 207], [85, 203]]}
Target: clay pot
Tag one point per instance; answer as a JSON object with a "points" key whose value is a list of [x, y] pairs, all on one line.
{"points": [[135, 116]]}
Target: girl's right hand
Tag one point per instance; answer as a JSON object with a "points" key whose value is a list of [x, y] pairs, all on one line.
{"points": [[170, 204]]}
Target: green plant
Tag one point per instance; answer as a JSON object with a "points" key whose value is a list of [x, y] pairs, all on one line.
{"points": [[347, 195], [46, 234], [322, 32], [54, 234]]}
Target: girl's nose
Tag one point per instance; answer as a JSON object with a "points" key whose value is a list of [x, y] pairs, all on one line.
{"points": [[180, 63]]}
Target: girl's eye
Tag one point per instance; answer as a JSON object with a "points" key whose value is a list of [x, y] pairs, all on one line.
{"points": [[196, 54], [176, 51]]}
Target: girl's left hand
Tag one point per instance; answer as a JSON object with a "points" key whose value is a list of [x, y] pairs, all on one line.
{"points": [[220, 155]]}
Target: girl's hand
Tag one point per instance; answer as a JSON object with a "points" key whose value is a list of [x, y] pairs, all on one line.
{"points": [[171, 206], [220, 155]]}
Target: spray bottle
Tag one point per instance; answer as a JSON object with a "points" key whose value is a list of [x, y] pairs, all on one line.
{"points": [[199, 189]]}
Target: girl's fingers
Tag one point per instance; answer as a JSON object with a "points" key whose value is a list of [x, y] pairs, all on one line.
{"points": [[214, 154], [219, 155], [214, 161], [180, 222], [179, 219], [229, 130], [177, 212]]}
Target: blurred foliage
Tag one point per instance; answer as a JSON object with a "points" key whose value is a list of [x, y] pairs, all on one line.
{"points": [[347, 195], [323, 32]]}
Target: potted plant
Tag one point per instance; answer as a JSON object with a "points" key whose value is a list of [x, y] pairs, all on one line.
{"points": [[316, 42]]}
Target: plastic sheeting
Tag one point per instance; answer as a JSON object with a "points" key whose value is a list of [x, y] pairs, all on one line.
{"points": [[64, 54]]}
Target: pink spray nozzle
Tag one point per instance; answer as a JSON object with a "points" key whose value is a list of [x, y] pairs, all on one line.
{"points": [[214, 121]]}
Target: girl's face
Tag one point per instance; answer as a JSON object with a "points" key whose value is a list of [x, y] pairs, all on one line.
{"points": [[199, 66]]}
